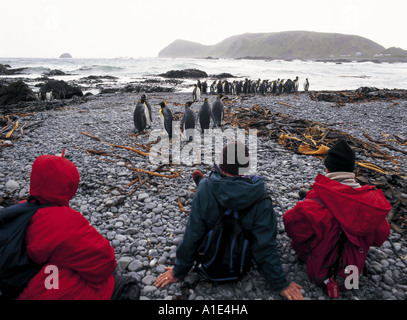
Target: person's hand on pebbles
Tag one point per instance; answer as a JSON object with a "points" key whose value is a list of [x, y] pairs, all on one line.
{"points": [[292, 292], [165, 278]]}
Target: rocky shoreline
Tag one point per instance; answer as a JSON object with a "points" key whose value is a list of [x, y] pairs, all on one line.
{"points": [[144, 215]]}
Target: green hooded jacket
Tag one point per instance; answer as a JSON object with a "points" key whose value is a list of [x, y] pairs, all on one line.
{"points": [[213, 196]]}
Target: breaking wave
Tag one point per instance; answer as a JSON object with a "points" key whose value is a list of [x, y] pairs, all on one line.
{"points": [[321, 75]]}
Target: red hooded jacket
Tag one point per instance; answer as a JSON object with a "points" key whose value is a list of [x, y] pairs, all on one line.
{"points": [[330, 207], [61, 237]]}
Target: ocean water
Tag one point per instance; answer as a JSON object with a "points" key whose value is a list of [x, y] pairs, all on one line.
{"points": [[321, 75]]}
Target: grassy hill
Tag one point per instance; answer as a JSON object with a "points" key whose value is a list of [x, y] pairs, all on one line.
{"points": [[278, 45], [394, 52]]}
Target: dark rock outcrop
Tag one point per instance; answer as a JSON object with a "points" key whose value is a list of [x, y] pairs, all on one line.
{"points": [[185, 74], [60, 90], [222, 76], [16, 92], [95, 79], [138, 89], [5, 69], [55, 72]]}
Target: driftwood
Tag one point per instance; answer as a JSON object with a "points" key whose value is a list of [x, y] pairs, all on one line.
{"points": [[181, 207], [314, 138], [115, 145], [162, 171]]}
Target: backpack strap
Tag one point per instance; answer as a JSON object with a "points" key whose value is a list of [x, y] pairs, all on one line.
{"points": [[40, 205], [32, 199], [12, 212]]}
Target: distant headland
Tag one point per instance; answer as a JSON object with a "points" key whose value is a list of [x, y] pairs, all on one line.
{"points": [[288, 45], [65, 56]]}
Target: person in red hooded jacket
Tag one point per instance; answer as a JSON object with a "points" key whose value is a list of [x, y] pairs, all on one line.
{"points": [[338, 221], [78, 262]]}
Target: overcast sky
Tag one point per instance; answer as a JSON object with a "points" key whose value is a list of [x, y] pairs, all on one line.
{"points": [[132, 28]]}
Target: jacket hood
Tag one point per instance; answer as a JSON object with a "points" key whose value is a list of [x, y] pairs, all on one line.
{"points": [[236, 193], [358, 210], [54, 180]]}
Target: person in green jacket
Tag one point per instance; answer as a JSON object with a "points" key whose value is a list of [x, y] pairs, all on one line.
{"points": [[227, 187]]}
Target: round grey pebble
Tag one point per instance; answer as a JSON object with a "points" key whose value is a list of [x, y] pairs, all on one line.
{"points": [[135, 265]]}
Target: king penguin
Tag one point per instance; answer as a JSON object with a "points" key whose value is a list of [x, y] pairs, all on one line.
{"points": [[205, 115], [196, 94], [139, 117], [306, 85], [217, 111], [296, 84], [147, 111], [166, 118], [188, 121]]}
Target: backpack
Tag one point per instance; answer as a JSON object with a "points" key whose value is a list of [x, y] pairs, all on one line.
{"points": [[16, 268], [224, 253]]}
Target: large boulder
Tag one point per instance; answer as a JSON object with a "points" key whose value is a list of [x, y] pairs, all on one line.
{"points": [[185, 74], [16, 92], [60, 90], [5, 69], [55, 72], [223, 76]]}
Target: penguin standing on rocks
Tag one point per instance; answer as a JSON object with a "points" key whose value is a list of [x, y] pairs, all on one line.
{"points": [[166, 118], [253, 87], [296, 84], [263, 87], [280, 86], [226, 87], [205, 87], [273, 86], [246, 86], [188, 122], [205, 115], [217, 111], [212, 87], [196, 93], [233, 87], [288, 86], [139, 117], [239, 85], [219, 87], [49, 95], [147, 111], [306, 85]]}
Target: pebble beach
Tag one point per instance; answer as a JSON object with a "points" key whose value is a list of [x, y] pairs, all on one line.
{"points": [[143, 220]]}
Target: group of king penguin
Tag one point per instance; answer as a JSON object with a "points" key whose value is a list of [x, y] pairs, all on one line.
{"points": [[249, 86], [143, 116]]}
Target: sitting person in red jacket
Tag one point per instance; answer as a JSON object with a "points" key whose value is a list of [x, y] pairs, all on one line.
{"points": [[337, 222], [78, 262]]}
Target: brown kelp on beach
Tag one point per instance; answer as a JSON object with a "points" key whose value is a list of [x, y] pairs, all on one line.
{"points": [[14, 126], [363, 94], [313, 138], [162, 171]]}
